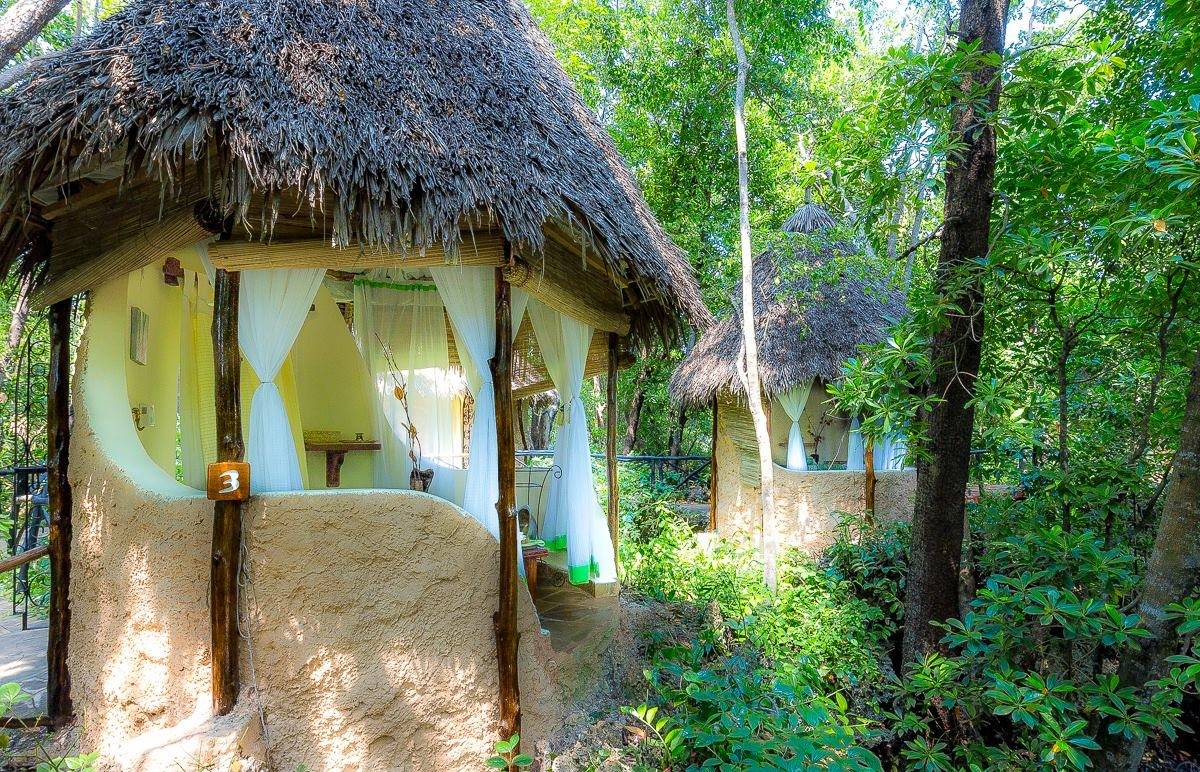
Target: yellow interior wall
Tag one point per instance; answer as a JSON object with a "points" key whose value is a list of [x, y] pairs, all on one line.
{"points": [[156, 383], [334, 389]]}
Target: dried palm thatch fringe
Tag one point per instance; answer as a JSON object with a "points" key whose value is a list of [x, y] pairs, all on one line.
{"points": [[400, 117], [802, 333]]}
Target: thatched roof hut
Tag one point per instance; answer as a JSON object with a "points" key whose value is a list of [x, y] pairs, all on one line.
{"points": [[383, 123], [802, 333]]}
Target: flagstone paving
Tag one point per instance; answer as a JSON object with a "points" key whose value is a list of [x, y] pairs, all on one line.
{"points": [[23, 659]]}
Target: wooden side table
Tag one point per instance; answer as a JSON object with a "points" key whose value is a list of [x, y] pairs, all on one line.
{"points": [[335, 455], [531, 554]]}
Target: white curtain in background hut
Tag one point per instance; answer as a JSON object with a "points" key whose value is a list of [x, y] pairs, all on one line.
{"points": [[855, 452], [793, 401], [574, 519], [890, 452], [400, 329], [272, 308]]}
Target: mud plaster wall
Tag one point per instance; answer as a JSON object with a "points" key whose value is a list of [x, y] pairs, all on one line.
{"points": [[806, 503], [371, 611]]}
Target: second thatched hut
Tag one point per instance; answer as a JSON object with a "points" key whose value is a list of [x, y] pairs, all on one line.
{"points": [[816, 302]]}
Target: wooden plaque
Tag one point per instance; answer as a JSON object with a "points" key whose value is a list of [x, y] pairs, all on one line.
{"points": [[229, 481]]}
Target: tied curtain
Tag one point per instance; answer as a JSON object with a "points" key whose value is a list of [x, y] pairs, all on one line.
{"points": [[573, 517], [272, 307], [469, 295], [793, 401], [400, 329]]}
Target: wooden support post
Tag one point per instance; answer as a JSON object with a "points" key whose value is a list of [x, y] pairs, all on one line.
{"points": [[712, 473], [869, 479], [227, 515], [610, 447], [505, 619], [58, 425]]}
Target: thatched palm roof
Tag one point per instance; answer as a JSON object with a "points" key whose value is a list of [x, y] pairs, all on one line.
{"points": [[397, 119], [803, 333]]}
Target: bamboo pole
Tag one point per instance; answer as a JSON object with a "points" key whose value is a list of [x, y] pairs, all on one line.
{"points": [[227, 515], [505, 619], [483, 249], [712, 474], [610, 446], [58, 425]]}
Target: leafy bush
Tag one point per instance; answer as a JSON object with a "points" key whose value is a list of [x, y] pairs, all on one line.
{"points": [[814, 614], [1025, 684], [740, 712]]}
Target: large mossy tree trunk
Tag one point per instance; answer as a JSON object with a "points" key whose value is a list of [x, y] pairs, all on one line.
{"points": [[1172, 574], [937, 534]]}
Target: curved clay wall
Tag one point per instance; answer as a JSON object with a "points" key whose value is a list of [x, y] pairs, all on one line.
{"points": [[806, 503], [369, 612]]}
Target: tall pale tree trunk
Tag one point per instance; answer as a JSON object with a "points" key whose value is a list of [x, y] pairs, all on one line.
{"points": [[1171, 575], [22, 22], [931, 593], [750, 376]]}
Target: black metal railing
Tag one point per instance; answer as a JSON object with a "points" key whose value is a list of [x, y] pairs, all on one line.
{"points": [[661, 470], [28, 529]]}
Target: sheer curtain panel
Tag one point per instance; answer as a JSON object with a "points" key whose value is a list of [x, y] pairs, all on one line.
{"points": [[574, 519], [793, 401], [272, 308]]}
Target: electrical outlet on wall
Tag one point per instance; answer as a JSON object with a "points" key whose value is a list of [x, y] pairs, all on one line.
{"points": [[147, 415]]}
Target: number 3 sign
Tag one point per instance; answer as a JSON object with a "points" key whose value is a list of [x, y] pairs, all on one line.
{"points": [[229, 481]]}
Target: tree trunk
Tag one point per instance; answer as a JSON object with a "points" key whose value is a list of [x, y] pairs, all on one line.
{"points": [[750, 375], [22, 22], [894, 231], [227, 515], [633, 419], [508, 638], [610, 447], [1172, 573], [937, 533], [675, 446], [1064, 459], [16, 326], [914, 233], [58, 428]]}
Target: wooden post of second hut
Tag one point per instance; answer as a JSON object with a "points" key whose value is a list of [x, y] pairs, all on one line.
{"points": [[227, 515], [58, 425], [505, 620], [869, 479], [610, 445]]}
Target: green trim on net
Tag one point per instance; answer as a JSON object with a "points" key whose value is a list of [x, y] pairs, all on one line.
{"points": [[557, 544], [582, 574], [394, 285]]}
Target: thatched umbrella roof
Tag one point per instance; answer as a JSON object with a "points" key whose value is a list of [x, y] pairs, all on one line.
{"points": [[398, 119], [802, 333]]}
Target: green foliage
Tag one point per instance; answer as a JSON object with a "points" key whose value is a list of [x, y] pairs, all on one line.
{"points": [[736, 712], [813, 616], [506, 756]]}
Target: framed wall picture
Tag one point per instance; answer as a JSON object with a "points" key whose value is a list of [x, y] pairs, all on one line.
{"points": [[139, 335]]}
